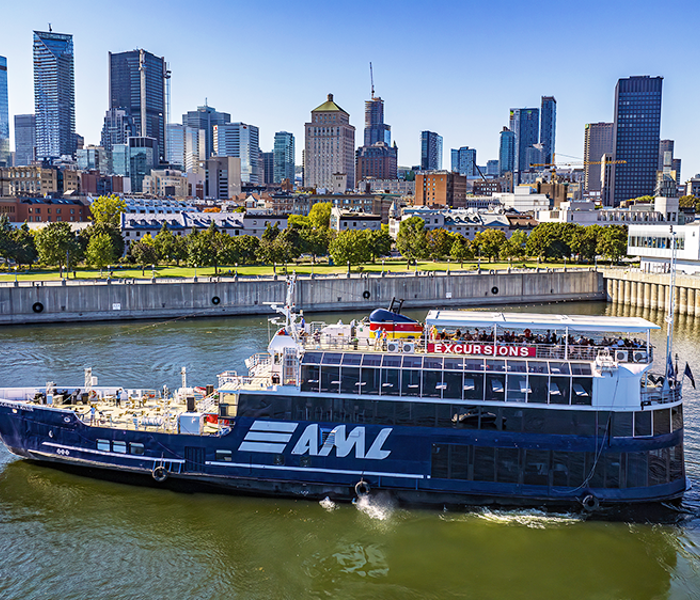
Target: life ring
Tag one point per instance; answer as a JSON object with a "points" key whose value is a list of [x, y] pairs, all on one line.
{"points": [[362, 488], [590, 503], [215, 300], [366, 294], [160, 474], [494, 290], [37, 307]]}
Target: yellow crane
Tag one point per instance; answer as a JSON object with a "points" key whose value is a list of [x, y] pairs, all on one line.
{"points": [[581, 163]]}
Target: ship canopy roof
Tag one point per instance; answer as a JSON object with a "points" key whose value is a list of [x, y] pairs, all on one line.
{"points": [[471, 319]]}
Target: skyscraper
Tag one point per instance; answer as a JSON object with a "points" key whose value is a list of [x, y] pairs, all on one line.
{"points": [[137, 85], [283, 157], [175, 144], [464, 161], [4, 116], [268, 167], [54, 94], [525, 124], [548, 126], [117, 128], [375, 128], [430, 151], [506, 152], [377, 158], [25, 140], [598, 141], [242, 141], [329, 146], [636, 137], [205, 118]]}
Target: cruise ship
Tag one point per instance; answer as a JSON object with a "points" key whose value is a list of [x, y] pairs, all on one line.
{"points": [[468, 408]]}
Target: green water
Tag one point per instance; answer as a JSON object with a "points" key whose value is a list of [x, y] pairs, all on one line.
{"points": [[65, 536]]}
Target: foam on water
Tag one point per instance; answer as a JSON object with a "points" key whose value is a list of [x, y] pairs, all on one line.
{"points": [[328, 504], [376, 507], [531, 518]]}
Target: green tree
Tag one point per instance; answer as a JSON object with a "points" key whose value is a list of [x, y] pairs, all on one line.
{"points": [[143, 252], [461, 249], [100, 251], [316, 241], [100, 228], [299, 220], [293, 240], [380, 242], [244, 249], [613, 242], [489, 243], [439, 243], [688, 201], [584, 241], [5, 236], [551, 240], [23, 250], [320, 215], [351, 247], [57, 245], [165, 243], [411, 240], [108, 209], [515, 246], [199, 249]]}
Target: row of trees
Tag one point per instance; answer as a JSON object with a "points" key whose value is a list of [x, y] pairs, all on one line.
{"points": [[545, 241]]}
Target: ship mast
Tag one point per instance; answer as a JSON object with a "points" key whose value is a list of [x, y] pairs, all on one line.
{"points": [[290, 323], [671, 302]]}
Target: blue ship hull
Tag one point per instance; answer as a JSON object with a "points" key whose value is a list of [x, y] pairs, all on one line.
{"points": [[416, 465]]}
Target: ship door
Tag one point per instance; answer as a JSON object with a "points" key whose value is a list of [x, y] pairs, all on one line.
{"points": [[194, 459]]}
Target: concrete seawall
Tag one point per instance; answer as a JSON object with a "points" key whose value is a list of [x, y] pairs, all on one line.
{"points": [[143, 299], [650, 290]]}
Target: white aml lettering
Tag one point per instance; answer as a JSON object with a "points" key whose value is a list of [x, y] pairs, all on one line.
{"points": [[308, 442]]}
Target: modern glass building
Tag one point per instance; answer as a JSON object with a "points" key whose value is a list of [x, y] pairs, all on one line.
{"points": [[4, 116], [525, 124], [283, 157], [548, 126], [118, 127], [143, 156], [636, 137], [241, 141], [206, 118], [25, 140], [506, 152], [175, 145], [430, 151], [464, 161], [375, 128], [54, 94], [137, 85], [597, 142]]}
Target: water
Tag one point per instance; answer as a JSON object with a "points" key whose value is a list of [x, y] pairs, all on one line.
{"points": [[64, 536]]}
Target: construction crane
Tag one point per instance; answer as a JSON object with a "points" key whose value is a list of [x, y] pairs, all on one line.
{"points": [[371, 79], [581, 163]]}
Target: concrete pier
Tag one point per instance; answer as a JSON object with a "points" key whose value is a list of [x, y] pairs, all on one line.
{"points": [[50, 302]]}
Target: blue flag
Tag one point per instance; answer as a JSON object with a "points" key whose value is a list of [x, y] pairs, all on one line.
{"points": [[670, 371], [689, 374]]}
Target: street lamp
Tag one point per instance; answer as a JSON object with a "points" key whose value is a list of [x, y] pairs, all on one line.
{"points": [[195, 272]]}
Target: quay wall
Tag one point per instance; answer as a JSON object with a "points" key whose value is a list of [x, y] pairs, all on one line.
{"points": [[651, 290], [51, 302]]}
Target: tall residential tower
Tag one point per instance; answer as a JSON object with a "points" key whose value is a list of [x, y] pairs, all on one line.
{"points": [[4, 116], [598, 141], [548, 126], [430, 151], [283, 158]]}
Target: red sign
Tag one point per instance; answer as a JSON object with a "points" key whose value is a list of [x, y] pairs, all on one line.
{"points": [[482, 349]]}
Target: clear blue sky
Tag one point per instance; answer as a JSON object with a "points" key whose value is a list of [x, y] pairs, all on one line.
{"points": [[451, 67]]}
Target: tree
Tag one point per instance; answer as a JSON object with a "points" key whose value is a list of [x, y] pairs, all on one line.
{"points": [[439, 243], [108, 209], [166, 243], [316, 241], [320, 215], [584, 241], [100, 251], [515, 246], [292, 238], [299, 220], [550, 240], [93, 229], [380, 242], [5, 236], [57, 245], [613, 242], [688, 201], [199, 250], [461, 249], [411, 239], [23, 250], [143, 252], [489, 242], [351, 247]]}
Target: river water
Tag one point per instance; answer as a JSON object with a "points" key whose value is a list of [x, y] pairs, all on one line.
{"points": [[65, 536]]}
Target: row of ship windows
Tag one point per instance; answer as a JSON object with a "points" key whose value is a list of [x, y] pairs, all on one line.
{"points": [[424, 414], [555, 468], [512, 387]]}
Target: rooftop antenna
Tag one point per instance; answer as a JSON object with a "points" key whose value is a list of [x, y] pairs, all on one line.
{"points": [[371, 79], [50, 30]]}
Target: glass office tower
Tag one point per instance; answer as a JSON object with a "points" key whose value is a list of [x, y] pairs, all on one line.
{"points": [[4, 116]]}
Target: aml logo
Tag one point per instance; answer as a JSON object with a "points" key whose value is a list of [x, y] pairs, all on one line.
{"points": [[273, 436]]}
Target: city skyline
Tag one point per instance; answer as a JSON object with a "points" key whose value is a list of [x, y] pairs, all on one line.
{"points": [[582, 80]]}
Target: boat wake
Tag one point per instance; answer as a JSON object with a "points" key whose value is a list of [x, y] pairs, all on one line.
{"points": [[530, 518], [378, 508], [328, 504]]}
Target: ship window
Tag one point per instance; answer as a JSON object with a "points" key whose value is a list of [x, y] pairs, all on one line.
{"points": [[558, 368], [484, 463], [662, 421], [582, 390], [507, 465], [580, 369], [516, 366], [676, 465], [330, 379], [424, 414], [369, 379], [677, 417], [350, 380], [410, 382], [390, 382], [432, 384], [119, 447], [312, 358], [371, 360], [622, 424], [412, 362], [473, 364], [474, 387], [331, 358], [452, 385], [224, 456], [658, 466], [495, 387], [104, 445], [517, 388], [136, 448], [559, 390], [468, 385], [642, 423], [391, 361], [496, 365], [432, 363], [636, 469], [352, 359], [310, 375], [454, 364], [536, 468], [385, 412], [539, 389], [576, 468], [537, 367]]}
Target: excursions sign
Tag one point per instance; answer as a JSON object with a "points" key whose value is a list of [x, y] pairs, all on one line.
{"points": [[482, 349]]}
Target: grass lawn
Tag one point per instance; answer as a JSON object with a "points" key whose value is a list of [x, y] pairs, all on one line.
{"points": [[391, 265]]}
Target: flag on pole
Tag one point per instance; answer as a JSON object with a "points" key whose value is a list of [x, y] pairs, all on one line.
{"points": [[670, 371], [689, 374]]}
